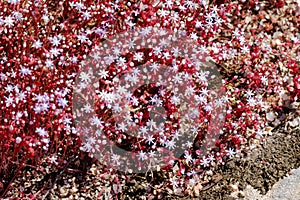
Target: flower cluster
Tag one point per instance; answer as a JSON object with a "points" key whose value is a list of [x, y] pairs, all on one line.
{"points": [[147, 98]]}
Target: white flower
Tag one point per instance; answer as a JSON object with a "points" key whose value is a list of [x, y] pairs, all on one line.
{"points": [[39, 98], [86, 15], [211, 158], [204, 161], [87, 108], [9, 21], [38, 109], [19, 115], [249, 93], [225, 99], [44, 106], [121, 61], [133, 79], [143, 130], [208, 108], [242, 40], [251, 101], [153, 99], [174, 182], [82, 38], [230, 152], [45, 18], [188, 157], [157, 50], [24, 71], [192, 173], [9, 100], [177, 78], [15, 2], [198, 24], [154, 67], [164, 42], [67, 120], [108, 97], [96, 121], [45, 140], [201, 99], [189, 90], [49, 64], [73, 59], [163, 13], [218, 102], [264, 80], [260, 133], [62, 102], [189, 144], [9, 88], [182, 8], [115, 158], [169, 3], [55, 41], [236, 33], [139, 56], [150, 139], [151, 123], [117, 108], [117, 51], [166, 55], [103, 74], [175, 100], [55, 52], [192, 182], [87, 147], [122, 127], [170, 144], [189, 4], [204, 91], [102, 32], [41, 132], [142, 155], [152, 154], [79, 6], [91, 140], [135, 101], [85, 77], [209, 17], [53, 159], [18, 140], [176, 135], [245, 49], [37, 44], [194, 36], [194, 129]]}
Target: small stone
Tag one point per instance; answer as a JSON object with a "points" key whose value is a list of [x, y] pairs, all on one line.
{"points": [[74, 190], [270, 116], [197, 189], [63, 192], [234, 186]]}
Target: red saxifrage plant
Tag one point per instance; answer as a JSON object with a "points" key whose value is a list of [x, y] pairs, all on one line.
{"points": [[44, 45]]}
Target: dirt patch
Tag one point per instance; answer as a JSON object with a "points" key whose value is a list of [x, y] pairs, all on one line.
{"points": [[271, 161]]}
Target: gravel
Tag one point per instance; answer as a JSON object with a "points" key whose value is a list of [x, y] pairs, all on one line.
{"points": [[287, 188]]}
